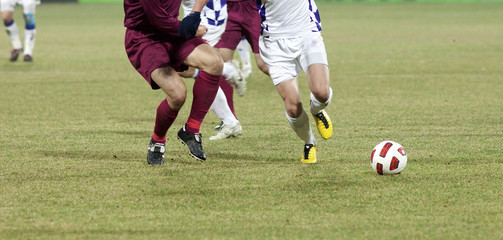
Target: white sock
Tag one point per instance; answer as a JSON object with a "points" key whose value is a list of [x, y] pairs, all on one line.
{"points": [[301, 127], [196, 73], [317, 106], [14, 35], [244, 51], [222, 110], [29, 41], [229, 70]]}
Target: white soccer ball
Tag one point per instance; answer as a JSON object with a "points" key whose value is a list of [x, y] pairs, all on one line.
{"points": [[388, 158]]}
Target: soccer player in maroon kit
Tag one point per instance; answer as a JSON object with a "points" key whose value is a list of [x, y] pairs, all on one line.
{"points": [[243, 20], [158, 46]]}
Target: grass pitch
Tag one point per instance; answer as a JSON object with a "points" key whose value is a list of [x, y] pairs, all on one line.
{"points": [[76, 122]]}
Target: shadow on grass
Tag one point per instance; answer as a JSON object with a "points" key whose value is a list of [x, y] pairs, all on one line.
{"points": [[130, 119], [255, 158], [91, 155], [107, 132]]}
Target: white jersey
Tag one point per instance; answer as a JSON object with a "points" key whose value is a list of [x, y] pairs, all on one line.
{"points": [[214, 12], [285, 18], [213, 16]]}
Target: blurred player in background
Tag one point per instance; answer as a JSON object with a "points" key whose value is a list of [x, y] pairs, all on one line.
{"points": [[243, 21], [7, 8], [214, 16], [244, 55], [291, 41], [159, 46]]}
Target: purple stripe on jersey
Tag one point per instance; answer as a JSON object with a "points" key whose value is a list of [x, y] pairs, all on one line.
{"points": [[261, 10], [211, 6], [316, 15], [215, 23]]}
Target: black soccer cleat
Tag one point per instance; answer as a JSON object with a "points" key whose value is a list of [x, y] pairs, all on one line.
{"points": [[14, 54], [155, 155], [194, 142]]}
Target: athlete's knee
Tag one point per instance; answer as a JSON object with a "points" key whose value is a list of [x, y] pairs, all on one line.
{"points": [[7, 18], [177, 99], [322, 94], [214, 66], [261, 64], [176, 96], [263, 67], [293, 108]]}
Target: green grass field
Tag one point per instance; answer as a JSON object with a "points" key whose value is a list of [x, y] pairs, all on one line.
{"points": [[75, 124]]}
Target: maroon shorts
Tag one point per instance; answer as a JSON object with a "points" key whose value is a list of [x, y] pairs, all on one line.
{"points": [[149, 51], [243, 20]]}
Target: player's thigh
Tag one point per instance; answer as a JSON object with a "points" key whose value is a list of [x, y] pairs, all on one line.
{"points": [[7, 8], [227, 54], [318, 80], [172, 84], [188, 73], [206, 58], [313, 60]]}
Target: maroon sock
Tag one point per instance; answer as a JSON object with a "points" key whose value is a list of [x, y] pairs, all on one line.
{"points": [[229, 93], [204, 91], [163, 120]]}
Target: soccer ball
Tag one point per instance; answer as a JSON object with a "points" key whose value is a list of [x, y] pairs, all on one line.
{"points": [[388, 158]]}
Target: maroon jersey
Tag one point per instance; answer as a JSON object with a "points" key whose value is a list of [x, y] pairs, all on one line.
{"points": [[152, 16], [151, 39]]}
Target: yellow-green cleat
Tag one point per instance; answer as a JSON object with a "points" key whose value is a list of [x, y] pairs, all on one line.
{"points": [[324, 124], [309, 154]]}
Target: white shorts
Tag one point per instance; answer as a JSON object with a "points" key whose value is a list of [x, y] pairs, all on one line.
{"points": [[286, 57], [212, 36], [28, 5]]}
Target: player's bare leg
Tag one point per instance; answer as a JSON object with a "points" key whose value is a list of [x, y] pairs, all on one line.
{"points": [[30, 31], [167, 111], [12, 31], [297, 117], [243, 50], [321, 95], [191, 72], [261, 64]]}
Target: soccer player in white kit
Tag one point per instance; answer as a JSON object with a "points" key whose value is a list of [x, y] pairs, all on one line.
{"points": [[291, 41], [7, 8], [214, 16]]}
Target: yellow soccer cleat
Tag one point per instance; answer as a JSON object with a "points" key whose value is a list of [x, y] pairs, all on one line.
{"points": [[309, 154], [324, 124]]}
